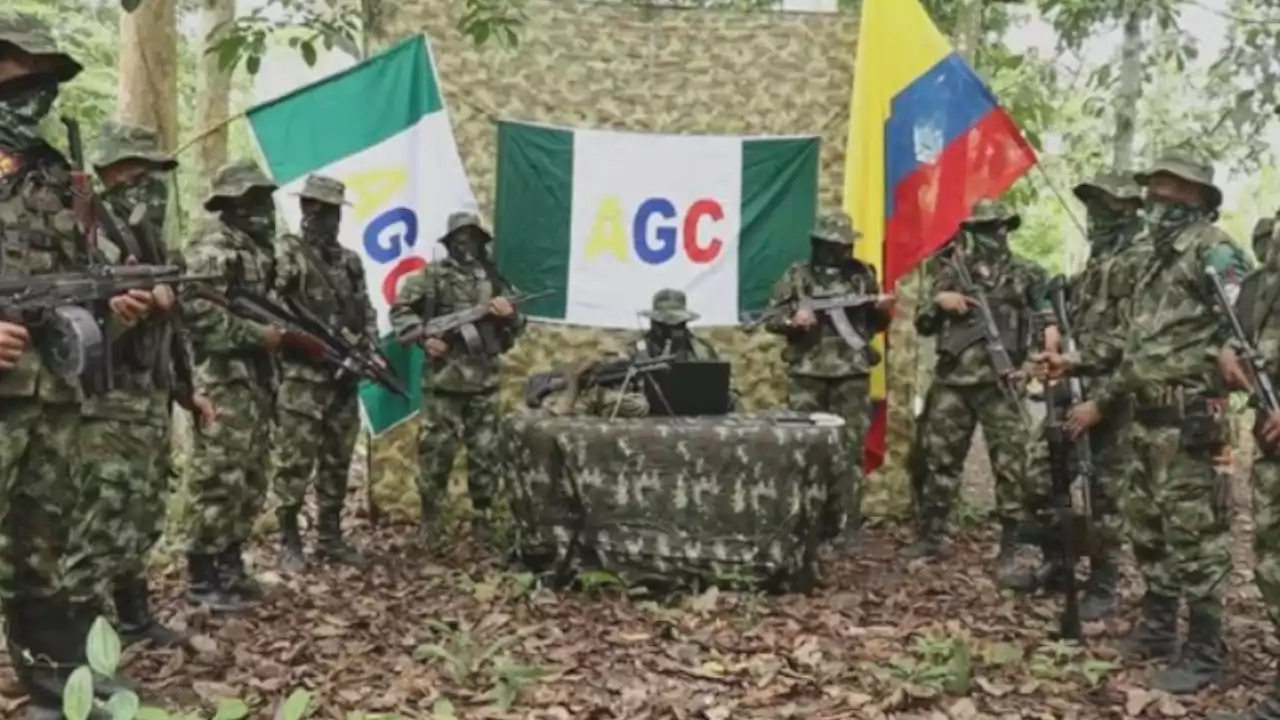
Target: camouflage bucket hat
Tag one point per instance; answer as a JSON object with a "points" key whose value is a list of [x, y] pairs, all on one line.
{"points": [[464, 219], [324, 189], [234, 180], [1116, 185], [835, 228], [34, 37], [118, 142], [989, 212], [670, 307], [1184, 165]]}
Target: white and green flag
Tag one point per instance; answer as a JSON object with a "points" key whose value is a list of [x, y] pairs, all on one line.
{"points": [[381, 128], [609, 218]]}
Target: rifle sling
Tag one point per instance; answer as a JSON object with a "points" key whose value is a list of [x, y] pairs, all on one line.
{"points": [[322, 270]]}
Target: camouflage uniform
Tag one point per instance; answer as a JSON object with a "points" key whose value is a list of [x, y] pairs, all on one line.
{"points": [[826, 375], [461, 398], [318, 412], [227, 475], [966, 391], [1177, 507], [39, 412], [124, 436], [596, 401], [1094, 298]]}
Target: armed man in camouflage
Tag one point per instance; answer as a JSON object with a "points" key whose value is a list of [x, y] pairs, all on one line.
{"points": [[966, 391], [1176, 509], [1094, 299], [669, 334], [826, 373], [124, 440], [234, 361], [40, 476], [461, 401], [318, 412]]}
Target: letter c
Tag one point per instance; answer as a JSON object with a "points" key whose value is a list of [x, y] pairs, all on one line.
{"points": [[702, 254]]}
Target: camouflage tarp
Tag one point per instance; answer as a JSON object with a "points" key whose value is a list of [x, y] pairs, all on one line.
{"points": [[674, 500]]}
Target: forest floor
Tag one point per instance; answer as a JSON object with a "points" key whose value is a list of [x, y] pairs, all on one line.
{"points": [[466, 637]]}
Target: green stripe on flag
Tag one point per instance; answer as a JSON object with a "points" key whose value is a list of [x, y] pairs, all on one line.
{"points": [[346, 113], [533, 212], [384, 408], [779, 204]]}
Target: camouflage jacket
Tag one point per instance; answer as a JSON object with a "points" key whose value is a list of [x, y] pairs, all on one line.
{"points": [[643, 345], [820, 351], [227, 348], [1172, 336], [1096, 298], [37, 231], [441, 288], [1017, 292], [334, 291]]}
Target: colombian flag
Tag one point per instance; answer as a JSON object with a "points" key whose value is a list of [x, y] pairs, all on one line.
{"points": [[927, 140]]}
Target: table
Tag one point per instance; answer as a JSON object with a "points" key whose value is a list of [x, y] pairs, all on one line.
{"points": [[667, 499]]}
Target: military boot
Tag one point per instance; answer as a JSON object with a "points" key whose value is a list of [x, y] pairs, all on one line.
{"points": [[1156, 634], [75, 638], [292, 558], [1100, 590], [429, 538], [133, 611], [205, 586], [235, 578], [1008, 575], [932, 542], [42, 636], [331, 546], [1199, 665]]}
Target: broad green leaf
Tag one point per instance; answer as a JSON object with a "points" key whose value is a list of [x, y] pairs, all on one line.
{"points": [[151, 713], [253, 64], [308, 53], [231, 709], [442, 710], [77, 696], [295, 707], [103, 649], [123, 705]]}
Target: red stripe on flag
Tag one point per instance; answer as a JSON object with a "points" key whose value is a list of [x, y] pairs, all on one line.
{"points": [[874, 445]]}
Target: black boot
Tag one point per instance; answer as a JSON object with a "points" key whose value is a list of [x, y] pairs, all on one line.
{"points": [[1156, 634], [429, 538], [331, 546], [1008, 575], [932, 542], [133, 612], [235, 578], [1199, 664], [292, 558], [1100, 590], [205, 586], [40, 635], [77, 637]]}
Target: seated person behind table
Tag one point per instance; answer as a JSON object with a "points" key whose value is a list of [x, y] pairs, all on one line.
{"points": [[599, 401], [669, 333]]}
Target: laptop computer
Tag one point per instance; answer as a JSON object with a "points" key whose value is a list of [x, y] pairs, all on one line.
{"points": [[689, 388]]}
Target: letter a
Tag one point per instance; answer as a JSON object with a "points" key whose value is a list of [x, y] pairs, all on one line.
{"points": [[373, 190], [607, 232]]}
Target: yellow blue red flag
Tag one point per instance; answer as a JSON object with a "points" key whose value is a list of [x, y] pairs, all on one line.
{"points": [[927, 140]]}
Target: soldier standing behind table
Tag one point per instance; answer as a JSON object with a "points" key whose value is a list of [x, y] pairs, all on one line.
{"points": [[826, 374], [234, 359], [966, 391], [124, 439], [317, 412], [460, 401], [40, 476]]}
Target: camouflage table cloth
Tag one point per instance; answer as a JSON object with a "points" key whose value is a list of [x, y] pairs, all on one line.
{"points": [[674, 500]]}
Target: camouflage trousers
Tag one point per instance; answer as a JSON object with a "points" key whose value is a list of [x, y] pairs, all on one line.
{"points": [[314, 433], [1266, 537], [953, 413], [120, 515], [850, 399], [227, 473], [39, 484], [451, 419], [1178, 517]]}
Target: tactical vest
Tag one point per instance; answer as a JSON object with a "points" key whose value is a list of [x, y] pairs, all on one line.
{"points": [[1007, 291]]}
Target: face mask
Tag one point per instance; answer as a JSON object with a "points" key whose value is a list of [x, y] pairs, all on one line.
{"points": [[148, 191], [31, 106], [322, 224], [988, 241], [1107, 226], [256, 216], [1165, 216], [830, 255], [468, 246]]}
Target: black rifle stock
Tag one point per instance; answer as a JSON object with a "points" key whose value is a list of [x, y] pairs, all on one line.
{"points": [[1264, 393], [610, 374], [463, 322]]}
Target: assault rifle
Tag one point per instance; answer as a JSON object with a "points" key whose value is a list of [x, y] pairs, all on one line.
{"points": [[1060, 466], [307, 335], [611, 374], [464, 322], [1264, 393], [54, 305], [832, 308]]}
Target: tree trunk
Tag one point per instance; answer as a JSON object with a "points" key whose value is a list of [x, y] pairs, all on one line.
{"points": [[968, 34], [213, 94], [1129, 91], [148, 89]]}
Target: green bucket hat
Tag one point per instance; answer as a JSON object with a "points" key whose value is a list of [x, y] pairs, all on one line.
{"points": [[1115, 185], [1184, 165], [989, 212], [322, 188], [463, 219], [34, 37], [670, 307], [235, 179], [118, 142], [835, 228]]}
